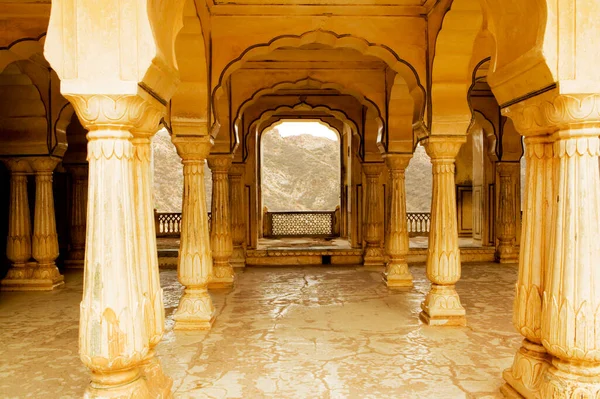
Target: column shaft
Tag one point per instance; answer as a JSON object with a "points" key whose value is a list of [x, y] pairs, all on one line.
{"points": [[506, 221], [158, 383], [442, 305], [238, 216], [570, 326], [373, 228], [45, 237], [220, 232], [531, 360], [195, 310], [397, 272], [113, 338], [78, 216], [18, 242]]}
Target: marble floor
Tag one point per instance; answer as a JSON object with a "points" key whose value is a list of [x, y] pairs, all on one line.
{"points": [[297, 332]]}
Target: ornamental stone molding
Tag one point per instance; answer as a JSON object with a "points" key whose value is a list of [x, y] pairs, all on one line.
{"points": [[397, 273], [442, 304]]}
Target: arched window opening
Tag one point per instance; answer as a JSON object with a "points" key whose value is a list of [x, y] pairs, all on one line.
{"points": [[301, 177]]}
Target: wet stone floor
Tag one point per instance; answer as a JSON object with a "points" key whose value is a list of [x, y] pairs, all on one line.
{"points": [[297, 332]]}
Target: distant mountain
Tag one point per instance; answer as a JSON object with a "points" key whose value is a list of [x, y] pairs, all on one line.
{"points": [[299, 173]]}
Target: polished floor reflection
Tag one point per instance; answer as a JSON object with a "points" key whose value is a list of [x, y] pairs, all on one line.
{"points": [[312, 332]]}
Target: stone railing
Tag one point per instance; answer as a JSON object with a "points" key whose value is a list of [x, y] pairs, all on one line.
{"points": [[418, 223], [301, 224], [168, 224]]}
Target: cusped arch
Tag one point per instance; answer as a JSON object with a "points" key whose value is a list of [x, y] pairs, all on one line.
{"points": [[450, 112], [23, 49], [306, 83], [404, 70], [257, 127], [190, 104], [489, 132]]}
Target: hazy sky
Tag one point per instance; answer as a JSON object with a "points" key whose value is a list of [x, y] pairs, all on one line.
{"points": [[316, 129]]}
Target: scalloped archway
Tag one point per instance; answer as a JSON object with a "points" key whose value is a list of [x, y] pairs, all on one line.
{"points": [[406, 78]]}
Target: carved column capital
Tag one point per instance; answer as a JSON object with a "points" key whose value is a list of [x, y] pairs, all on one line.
{"points": [[551, 111], [373, 170], [397, 162], [78, 171], [193, 148], [44, 164], [99, 111], [237, 170], [18, 165], [443, 147], [220, 163]]}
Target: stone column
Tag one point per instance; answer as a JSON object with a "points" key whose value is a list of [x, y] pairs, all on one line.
{"points": [[570, 300], [373, 228], [145, 234], [531, 360], [220, 233], [571, 303], [18, 242], [45, 238], [195, 310], [115, 327], [442, 305], [506, 220], [79, 174], [238, 215], [397, 273]]}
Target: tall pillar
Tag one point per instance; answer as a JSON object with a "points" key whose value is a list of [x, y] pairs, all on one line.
{"points": [[374, 256], [44, 243], [442, 305], [531, 360], [238, 216], [158, 383], [79, 174], [114, 334], [18, 242], [195, 310], [506, 220], [571, 303], [397, 272], [220, 232]]}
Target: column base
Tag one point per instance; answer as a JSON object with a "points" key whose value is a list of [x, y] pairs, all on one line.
{"points": [[442, 307], [374, 259], [195, 311], [566, 380], [238, 259], [73, 263], [124, 384], [524, 378], [30, 278], [507, 254], [159, 384], [223, 277], [398, 275]]}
